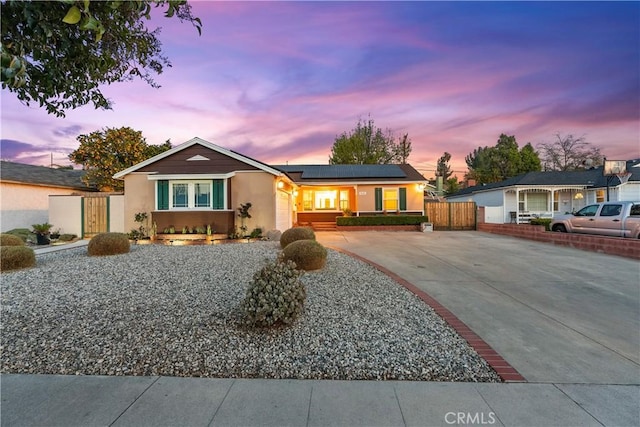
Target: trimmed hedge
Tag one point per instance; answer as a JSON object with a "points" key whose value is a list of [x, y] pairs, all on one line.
{"points": [[108, 244], [10, 240], [16, 257], [381, 220]]}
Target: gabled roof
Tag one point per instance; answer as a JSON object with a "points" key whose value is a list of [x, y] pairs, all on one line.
{"points": [[591, 178], [341, 173], [43, 176], [207, 144]]}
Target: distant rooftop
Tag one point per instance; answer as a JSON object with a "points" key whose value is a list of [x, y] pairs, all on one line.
{"points": [[40, 175]]}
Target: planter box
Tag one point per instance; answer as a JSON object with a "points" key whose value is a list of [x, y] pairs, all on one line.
{"points": [[180, 236]]}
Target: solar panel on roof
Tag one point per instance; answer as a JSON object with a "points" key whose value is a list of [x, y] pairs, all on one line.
{"points": [[351, 171]]}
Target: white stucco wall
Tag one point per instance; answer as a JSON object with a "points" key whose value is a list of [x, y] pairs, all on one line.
{"points": [[22, 205], [65, 213]]}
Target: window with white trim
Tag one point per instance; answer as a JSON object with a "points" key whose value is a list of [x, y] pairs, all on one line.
{"points": [[390, 199], [191, 194]]}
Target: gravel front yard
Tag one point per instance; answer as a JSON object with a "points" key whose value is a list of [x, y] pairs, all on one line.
{"points": [[173, 311]]}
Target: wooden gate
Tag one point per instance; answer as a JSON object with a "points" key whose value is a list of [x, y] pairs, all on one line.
{"points": [[451, 216], [96, 215]]}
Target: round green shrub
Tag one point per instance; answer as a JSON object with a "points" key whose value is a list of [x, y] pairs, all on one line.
{"points": [[10, 240], [275, 296], [296, 233], [67, 237], [108, 244], [307, 254], [16, 257]]}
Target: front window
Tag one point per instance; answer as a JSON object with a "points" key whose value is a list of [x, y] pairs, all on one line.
{"points": [[195, 194], [599, 196], [390, 199], [202, 194], [325, 200], [536, 202], [180, 195]]}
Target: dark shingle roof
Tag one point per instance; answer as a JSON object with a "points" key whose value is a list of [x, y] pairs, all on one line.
{"points": [[40, 175], [591, 178], [301, 173]]}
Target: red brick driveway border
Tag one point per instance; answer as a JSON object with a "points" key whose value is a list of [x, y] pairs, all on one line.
{"points": [[506, 372]]}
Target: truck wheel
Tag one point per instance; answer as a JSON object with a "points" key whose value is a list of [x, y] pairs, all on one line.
{"points": [[560, 228]]}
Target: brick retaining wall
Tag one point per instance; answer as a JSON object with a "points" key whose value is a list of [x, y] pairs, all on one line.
{"points": [[629, 248]]}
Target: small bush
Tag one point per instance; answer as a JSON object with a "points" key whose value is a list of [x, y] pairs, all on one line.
{"points": [[108, 244], [16, 257], [542, 221], [275, 296], [10, 240], [296, 233], [382, 220], [307, 254], [67, 237], [256, 233], [24, 233]]}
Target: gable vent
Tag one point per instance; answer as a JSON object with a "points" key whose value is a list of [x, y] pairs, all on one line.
{"points": [[196, 158]]}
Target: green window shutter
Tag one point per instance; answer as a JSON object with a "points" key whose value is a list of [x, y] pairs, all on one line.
{"points": [[403, 198], [378, 198], [163, 194], [218, 194]]}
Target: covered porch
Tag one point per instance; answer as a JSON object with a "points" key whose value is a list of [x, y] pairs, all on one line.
{"points": [[522, 204]]}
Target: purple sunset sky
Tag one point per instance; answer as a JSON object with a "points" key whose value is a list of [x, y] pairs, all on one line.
{"points": [[278, 81]]}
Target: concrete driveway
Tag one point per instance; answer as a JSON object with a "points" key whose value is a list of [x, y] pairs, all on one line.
{"points": [[556, 314]]}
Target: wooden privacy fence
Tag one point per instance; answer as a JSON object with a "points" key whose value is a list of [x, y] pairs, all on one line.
{"points": [[96, 215], [451, 216]]}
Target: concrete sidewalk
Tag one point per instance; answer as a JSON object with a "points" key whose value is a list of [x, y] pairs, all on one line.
{"points": [[51, 400], [566, 319]]}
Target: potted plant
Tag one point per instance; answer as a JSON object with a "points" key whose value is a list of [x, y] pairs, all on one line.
{"points": [[42, 232]]}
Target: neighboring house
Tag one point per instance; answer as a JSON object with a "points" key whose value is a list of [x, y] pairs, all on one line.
{"points": [[545, 194], [198, 183], [25, 191]]}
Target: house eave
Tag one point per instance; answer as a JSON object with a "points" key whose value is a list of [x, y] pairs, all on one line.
{"points": [[207, 144]]}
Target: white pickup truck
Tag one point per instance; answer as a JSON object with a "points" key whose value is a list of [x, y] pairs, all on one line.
{"points": [[618, 219]]}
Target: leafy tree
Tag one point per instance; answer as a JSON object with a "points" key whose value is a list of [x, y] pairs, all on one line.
{"points": [[367, 144], [443, 169], [569, 153], [57, 53], [529, 160], [105, 152], [502, 161], [451, 185]]}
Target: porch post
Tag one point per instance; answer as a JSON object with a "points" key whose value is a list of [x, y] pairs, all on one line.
{"points": [[552, 200], [517, 206]]}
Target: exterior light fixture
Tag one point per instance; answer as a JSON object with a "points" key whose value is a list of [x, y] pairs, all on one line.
{"points": [[421, 187], [578, 196], [280, 184]]}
